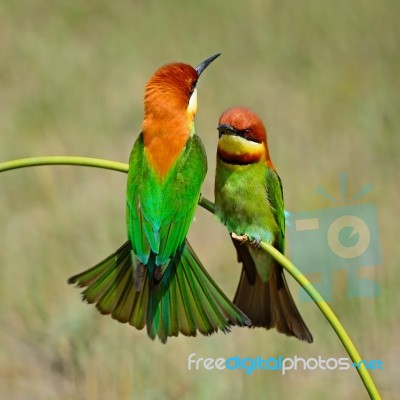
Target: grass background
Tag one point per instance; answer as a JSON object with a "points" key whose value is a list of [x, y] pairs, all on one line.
{"points": [[324, 78]]}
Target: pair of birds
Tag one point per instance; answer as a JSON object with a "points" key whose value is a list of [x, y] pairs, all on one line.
{"points": [[155, 278]]}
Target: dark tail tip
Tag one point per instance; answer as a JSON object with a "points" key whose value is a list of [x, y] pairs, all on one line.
{"points": [[270, 305]]}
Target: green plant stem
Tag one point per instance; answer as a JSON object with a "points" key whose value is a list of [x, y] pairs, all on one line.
{"points": [[208, 205], [63, 160], [329, 315]]}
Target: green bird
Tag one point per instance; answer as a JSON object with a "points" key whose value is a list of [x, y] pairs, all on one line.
{"points": [[155, 278], [249, 201]]}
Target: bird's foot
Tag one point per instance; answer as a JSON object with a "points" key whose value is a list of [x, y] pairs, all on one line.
{"points": [[256, 242], [240, 238]]}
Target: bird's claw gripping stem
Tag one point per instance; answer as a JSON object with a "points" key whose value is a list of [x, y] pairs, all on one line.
{"points": [[256, 242], [246, 238], [240, 238]]}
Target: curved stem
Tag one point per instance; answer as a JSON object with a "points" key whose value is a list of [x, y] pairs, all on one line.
{"points": [[329, 315], [63, 160], [208, 205]]}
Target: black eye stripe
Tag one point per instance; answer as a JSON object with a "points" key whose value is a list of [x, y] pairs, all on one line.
{"points": [[194, 84]]}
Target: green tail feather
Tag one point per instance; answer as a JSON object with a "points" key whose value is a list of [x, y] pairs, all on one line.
{"points": [[110, 285], [186, 300]]}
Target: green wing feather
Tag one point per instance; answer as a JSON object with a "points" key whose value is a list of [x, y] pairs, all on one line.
{"points": [[159, 213], [275, 197]]}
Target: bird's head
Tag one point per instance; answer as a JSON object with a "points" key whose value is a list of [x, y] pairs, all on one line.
{"points": [[172, 91], [242, 137], [170, 105]]}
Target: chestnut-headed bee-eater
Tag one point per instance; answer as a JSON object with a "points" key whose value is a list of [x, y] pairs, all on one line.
{"points": [[249, 201], [155, 278]]}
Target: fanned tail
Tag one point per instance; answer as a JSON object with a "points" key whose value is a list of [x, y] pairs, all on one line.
{"points": [[110, 284], [270, 304], [185, 300]]}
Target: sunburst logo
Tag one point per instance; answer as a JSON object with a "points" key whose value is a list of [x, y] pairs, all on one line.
{"points": [[344, 237]]}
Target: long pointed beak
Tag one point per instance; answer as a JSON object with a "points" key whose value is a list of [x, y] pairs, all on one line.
{"points": [[201, 67]]}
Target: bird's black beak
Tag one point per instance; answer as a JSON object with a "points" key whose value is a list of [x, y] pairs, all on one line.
{"points": [[226, 129], [201, 67]]}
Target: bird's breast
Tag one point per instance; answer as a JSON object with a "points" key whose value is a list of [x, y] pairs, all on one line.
{"points": [[164, 143]]}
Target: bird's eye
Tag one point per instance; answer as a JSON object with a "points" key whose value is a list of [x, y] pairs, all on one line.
{"points": [[248, 133]]}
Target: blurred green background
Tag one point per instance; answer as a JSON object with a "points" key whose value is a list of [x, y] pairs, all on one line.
{"points": [[324, 77]]}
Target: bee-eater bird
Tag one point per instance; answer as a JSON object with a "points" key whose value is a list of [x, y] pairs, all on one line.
{"points": [[249, 201], [155, 278]]}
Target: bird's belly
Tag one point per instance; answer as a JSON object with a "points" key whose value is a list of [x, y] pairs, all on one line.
{"points": [[245, 209]]}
